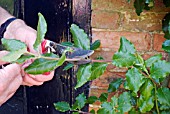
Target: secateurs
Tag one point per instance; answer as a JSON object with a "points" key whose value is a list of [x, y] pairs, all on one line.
{"points": [[77, 55]]}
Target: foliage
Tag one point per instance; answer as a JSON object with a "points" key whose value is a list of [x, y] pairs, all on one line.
{"points": [[142, 89], [141, 5]]}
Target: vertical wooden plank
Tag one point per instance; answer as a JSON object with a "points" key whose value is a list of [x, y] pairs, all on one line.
{"points": [[82, 17], [56, 12]]}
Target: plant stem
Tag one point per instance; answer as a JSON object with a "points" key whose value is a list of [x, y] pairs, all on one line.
{"points": [[29, 53], [102, 61], [148, 76], [156, 101], [155, 87], [73, 59]]}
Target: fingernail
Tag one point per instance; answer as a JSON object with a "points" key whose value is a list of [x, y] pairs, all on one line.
{"points": [[46, 73]]}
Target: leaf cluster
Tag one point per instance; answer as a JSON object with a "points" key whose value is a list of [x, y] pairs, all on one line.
{"points": [[143, 90]]}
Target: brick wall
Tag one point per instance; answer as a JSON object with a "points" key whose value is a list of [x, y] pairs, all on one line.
{"points": [[112, 19]]}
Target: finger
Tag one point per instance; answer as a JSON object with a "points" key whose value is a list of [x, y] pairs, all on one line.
{"points": [[30, 39], [11, 89], [43, 78], [29, 80], [14, 85], [26, 84], [3, 53], [9, 73], [9, 96]]}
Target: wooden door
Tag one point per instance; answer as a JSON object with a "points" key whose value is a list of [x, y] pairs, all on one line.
{"points": [[59, 14]]}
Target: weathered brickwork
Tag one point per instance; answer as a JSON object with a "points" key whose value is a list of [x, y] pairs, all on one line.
{"points": [[112, 19]]}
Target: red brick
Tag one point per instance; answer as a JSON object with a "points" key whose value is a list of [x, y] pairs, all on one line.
{"points": [[109, 39], [157, 42], [144, 22], [106, 78], [97, 92], [160, 7], [112, 5], [105, 20], [107, 55], [148, 55], [123, 5]]}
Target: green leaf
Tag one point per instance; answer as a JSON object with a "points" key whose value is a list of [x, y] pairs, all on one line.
{"points": [[81, 101], [13, 45], [14, 55], [160, 69], [95, 45], [114, 101], [24, 58], [166, 46], [149, 4], [152, 60], [16, 48], [92, 99], [102, 111], [145, 105], [62, 59], [126, 46], [80, 38], [62, 106], [134, 79], [163, 95], [83, 75], [121, 59], [165, 26], [114, 85], [68, 66], [129, 1], [75, 106], [75, 112], [69, 44], [140, 59], [139, 63], [133, 111], [139, 6], [107, 106], [97, 70], [40, 66], [164, 107], [165, 112], [92, 111], [41, 31], [103, 97], [124, 103], [146, 89]]}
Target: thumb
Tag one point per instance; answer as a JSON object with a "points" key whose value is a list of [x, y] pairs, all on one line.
{"points": [[3, 53]]}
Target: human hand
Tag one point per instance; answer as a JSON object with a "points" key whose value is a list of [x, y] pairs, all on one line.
{"points": [[10, 79], [20, 31]]}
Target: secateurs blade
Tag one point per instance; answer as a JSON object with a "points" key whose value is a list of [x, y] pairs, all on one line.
{"points": [[77, 54]]}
